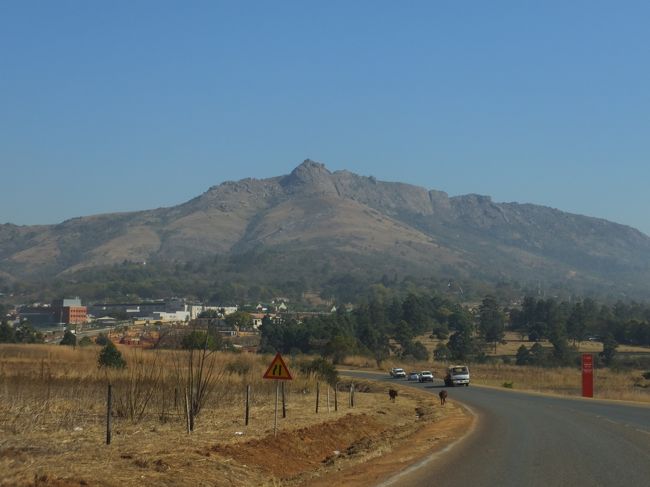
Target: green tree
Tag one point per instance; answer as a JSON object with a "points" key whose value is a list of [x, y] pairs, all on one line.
{"points": [[323, 369], [609, 349], [85, 341], [576, 324], [442, 352], [7, 333], [440, 330], [209, 313], [24, 333], [373, 341], [416, 350], [271, 336], [102, 339], [69, 338], [491, 321], [339, 347], [403, 332], [414, 312], [558, 338], [527, 316], [461, 320], [523, 356], [239, 320], [395, 311], [537, 354], [111, 357], [461, 345]]}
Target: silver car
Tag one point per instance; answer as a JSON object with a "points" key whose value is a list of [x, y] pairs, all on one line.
{"points": [[426, 376]]}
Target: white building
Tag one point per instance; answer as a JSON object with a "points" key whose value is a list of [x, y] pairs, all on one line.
{"points": [[196, 309], [165, 316]]}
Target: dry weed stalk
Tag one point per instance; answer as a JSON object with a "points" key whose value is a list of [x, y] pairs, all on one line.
{"points": [[196, 375], [140, 385]]}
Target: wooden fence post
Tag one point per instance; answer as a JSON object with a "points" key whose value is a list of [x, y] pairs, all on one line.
{"points": [[163, 412], [109, 406], [187, 411], [248, 393], [317, 395], [336, 402], [275, 416]]}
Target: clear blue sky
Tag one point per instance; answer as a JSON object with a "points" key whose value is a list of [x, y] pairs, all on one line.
{"points": [[125, 105]]}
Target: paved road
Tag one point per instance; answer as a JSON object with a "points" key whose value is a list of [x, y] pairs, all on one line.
{"points": [[83, 333], [530, 440]]}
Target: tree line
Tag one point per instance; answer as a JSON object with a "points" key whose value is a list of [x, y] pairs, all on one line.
{"points": [[379, 328], [374, 328]]}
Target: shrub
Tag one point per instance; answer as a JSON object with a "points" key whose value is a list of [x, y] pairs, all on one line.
{"points": [[537, 354], [416, 350], [102, 339], [323, 369], [85, 341], [69, 338], [240, 367], [508, 385], [7, 334], [441, 352], [198, 340], [523, 356], [111, 357]]}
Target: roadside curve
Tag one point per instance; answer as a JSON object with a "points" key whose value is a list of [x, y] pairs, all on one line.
{"points": [[535, 440]]}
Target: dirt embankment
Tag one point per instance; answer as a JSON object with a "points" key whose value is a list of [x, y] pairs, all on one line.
{"points": [[357, 449], [354, 447]]}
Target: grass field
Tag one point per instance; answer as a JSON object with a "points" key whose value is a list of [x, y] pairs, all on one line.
{"points": [[53, 413], [513, 341], [629, 385]]}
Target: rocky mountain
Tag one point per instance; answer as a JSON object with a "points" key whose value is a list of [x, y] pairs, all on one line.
{"points": [[317, 221]]}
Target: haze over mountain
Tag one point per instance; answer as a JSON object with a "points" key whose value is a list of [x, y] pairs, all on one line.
{"points": [[322, 222]]}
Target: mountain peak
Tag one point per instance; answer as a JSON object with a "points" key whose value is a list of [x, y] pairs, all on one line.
{"points": [[311, 167], [310, 174]]}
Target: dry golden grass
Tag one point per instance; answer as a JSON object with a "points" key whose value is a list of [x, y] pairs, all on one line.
{"points": [[56, 382], [629, 385], [608, 384], [513, 342], [53, 412]]}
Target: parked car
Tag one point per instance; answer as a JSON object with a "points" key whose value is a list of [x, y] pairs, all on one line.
{"points": [[414, 376], [457, 375], [426, 376], [397, 373]]}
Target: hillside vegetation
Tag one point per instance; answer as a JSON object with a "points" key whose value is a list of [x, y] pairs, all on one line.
{"points": [[314, 226]]}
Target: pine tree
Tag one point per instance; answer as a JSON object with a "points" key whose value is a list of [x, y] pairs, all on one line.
{"points": [[111, 357], [69, 338], [523, 356]]}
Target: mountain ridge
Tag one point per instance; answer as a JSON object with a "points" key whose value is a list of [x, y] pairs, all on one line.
{"points": [[340, 214]]}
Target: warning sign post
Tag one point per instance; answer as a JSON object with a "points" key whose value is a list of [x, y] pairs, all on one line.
{"points": [[278, 371]]}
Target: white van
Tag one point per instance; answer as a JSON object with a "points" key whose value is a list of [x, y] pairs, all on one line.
{"points": [[457, 375]]}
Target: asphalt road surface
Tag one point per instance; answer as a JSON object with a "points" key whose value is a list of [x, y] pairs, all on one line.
{"points": [[532, 440]]}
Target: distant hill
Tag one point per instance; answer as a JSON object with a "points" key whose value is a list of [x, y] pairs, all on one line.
{"points": [[319, 223]]}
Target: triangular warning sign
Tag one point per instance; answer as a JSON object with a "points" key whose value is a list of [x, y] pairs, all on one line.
{"points": [[278, 370]]}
